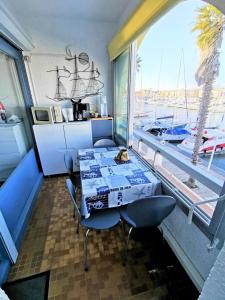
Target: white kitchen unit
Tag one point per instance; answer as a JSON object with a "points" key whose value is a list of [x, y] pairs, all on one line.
{"points": [[13, 146], [53, 140], [50, 140]]}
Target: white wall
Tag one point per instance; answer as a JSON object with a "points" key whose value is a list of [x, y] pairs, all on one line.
{"points": [[51, 35]]}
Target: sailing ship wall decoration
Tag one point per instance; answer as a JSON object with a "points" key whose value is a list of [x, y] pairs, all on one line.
{"points": [[85, 79], [60, 93]]}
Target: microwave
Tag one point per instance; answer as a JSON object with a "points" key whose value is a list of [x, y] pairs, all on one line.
{"points": [[47, 114]]}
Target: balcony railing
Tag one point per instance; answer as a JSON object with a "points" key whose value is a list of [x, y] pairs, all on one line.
{"points": [[176, 168]]}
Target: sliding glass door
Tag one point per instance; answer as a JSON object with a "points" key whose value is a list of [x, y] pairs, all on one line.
{"points": [[15, 127], [121, 97]]}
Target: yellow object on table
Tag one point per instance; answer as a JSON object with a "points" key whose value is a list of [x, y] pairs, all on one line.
{"points": [[122, 155]]}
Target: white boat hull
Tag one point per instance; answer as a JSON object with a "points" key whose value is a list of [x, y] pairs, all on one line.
{"points": [[214, 141]]}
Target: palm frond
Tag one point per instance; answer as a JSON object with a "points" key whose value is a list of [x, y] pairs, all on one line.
{"points": [[209, 23]]}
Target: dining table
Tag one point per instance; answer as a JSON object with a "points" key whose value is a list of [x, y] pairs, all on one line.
{"points": [[107, 182]]}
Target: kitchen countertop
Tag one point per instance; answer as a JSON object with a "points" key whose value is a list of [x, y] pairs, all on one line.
{"points": [[102, 118]]}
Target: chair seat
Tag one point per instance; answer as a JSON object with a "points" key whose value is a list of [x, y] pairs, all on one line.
{"points": [[124, 215], [148, 212], [104, 143], [102, 219]]}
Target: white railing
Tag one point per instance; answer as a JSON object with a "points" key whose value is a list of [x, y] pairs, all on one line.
{"points": [[194, 205], [182, 161]]}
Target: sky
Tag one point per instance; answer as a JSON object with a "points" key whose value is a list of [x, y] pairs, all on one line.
{"points": [[170, 43]]}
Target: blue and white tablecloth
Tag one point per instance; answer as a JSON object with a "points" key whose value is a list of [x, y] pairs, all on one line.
{"points": [[108, 183]]}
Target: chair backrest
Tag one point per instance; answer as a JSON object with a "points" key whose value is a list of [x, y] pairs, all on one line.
{"points": [[104, 143], [68, 160], [72, 193], [151, 211]]}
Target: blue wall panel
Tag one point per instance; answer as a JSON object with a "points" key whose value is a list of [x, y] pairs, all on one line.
{"points": [[17, 199]]}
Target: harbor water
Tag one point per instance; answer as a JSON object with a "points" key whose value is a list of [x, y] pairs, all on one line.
{"points": [[146, 112]]}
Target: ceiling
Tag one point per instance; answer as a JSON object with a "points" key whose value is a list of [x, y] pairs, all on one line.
{"points": [[100, 10]]}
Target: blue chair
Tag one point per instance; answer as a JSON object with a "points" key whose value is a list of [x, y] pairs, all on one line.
{"points": [[68, 161], [149, 212], [99, 219], [104, 143]]}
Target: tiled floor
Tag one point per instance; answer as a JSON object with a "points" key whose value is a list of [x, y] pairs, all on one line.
{"points": [[51, 243]]}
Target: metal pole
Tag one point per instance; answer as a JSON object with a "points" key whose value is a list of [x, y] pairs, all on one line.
{"points": [[185, 86], [211, 157]]}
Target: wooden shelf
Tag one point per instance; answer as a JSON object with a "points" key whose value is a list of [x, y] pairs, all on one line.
{"points": [[100, 118]]}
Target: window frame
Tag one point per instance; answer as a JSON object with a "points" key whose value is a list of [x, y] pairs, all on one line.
{"points": [[130, 88]]}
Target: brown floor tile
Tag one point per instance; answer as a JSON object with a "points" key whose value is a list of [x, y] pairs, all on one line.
{"points": [[51, 243]]}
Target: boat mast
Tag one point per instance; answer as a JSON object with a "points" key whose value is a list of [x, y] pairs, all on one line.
{"points": [[57, 78], [158, 81], [178, 81], [185, 86]]}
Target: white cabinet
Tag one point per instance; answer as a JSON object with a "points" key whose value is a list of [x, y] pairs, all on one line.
{"points": [[13, 146], [53, 140], [51, 147]]}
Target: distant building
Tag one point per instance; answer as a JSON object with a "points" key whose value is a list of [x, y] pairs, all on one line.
{"points": [[180, 95]]}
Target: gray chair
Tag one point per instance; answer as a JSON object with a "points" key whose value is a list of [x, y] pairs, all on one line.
{"points": [[99, 219], [149, 212], [68, 161], [104, 143]]}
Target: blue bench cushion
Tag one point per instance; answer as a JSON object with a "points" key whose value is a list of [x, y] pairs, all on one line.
{"points": [[17, 199]]}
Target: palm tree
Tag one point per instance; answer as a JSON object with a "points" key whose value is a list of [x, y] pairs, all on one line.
{"points": [[138, 63], [210, 25], [139, 69]]}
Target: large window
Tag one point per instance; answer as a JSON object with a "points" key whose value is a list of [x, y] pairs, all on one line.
{"points": [[15, 133], [178, 104], [180, 94]]}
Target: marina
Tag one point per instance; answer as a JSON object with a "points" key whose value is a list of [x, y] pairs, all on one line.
{"points": [[159, 110]]}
